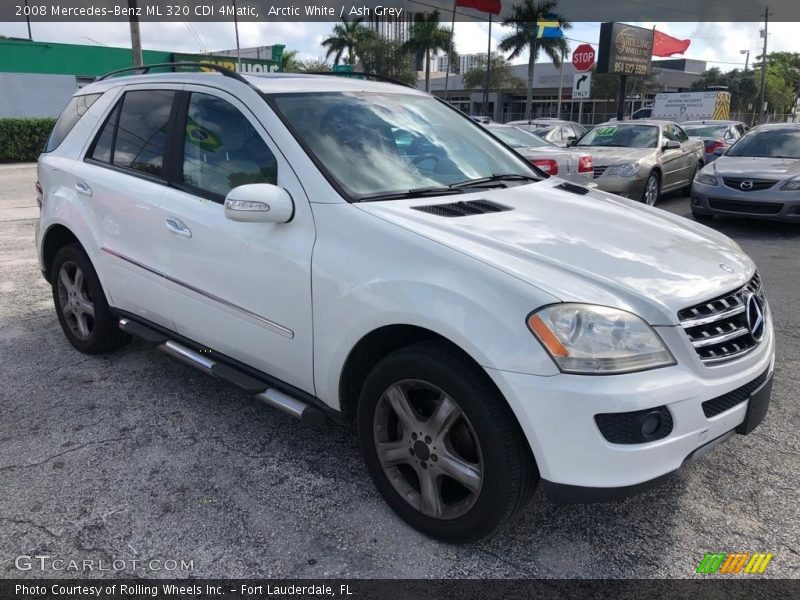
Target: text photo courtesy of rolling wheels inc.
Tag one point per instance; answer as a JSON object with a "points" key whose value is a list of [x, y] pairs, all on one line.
{"points": [[442, 299]]}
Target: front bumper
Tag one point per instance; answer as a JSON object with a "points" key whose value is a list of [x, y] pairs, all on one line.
{"points": [[629, 187], [557, 415], [772, 203]]}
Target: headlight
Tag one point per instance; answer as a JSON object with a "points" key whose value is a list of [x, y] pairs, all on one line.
{"points": [[705, 179], [791, 186], [626, 170], [588, 339]]}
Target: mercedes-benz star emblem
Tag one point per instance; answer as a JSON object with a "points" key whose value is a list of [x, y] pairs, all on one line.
{"points": [[726, 268], [746, 185], [754, 311]]}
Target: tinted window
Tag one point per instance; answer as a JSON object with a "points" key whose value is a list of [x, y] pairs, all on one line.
{"points": [[71, 114], [104, 143], [142, 130], [222, 149], [768, 143], [516, 138], [682, 137]]}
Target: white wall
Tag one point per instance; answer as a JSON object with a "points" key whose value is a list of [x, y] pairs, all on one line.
{"points": [[34, 95]]}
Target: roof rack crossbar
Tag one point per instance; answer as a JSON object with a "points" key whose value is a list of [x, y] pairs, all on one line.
{"points": [[144, 69], [360, 75]]}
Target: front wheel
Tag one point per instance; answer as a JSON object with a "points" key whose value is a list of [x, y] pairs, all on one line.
{"points": [[81, 304], [652, 189], [442, 445]]}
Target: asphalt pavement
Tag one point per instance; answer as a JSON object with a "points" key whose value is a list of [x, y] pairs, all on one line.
{"points": [[135, 457]]}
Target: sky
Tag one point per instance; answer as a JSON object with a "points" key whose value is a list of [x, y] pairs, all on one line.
{"points": [[717, 43]]}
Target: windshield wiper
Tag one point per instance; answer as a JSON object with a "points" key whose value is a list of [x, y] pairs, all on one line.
{"points": [[492, 179], [415, 193]]}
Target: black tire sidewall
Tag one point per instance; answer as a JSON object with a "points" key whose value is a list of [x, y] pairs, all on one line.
{"points": [[106, 334], [492, 421]]}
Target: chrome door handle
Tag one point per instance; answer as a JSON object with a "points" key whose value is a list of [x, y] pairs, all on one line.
{"points": [[177, 226], [83, 189]]}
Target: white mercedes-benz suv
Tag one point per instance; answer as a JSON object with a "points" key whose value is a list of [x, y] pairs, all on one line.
{"points": [[353, 249]]}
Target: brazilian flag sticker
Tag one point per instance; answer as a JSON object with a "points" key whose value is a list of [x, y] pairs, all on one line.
{"points": [[200, 136]]}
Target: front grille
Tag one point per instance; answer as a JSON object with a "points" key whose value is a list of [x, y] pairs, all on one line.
{"points": [[599, 171], [717, 329], [718, 405], [744, 206], [635, 427], [755, 184]]}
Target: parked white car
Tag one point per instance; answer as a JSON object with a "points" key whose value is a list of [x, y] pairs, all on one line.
{"points": [[486, 328]]}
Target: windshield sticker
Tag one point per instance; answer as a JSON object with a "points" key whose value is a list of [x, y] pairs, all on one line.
{"points": [[606, 131]]}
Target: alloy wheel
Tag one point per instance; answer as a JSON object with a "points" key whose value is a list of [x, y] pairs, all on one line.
{"points": [[75, 300], [651, 190], [428, 449]]}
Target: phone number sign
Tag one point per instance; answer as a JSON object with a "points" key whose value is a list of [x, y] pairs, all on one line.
{"points": [[625, 49]]}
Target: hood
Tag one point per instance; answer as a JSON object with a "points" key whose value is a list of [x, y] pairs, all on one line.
{"points": [[605, 156], [595, 248], [757, 168]]}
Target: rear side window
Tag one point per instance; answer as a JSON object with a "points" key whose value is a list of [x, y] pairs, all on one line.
{"points": [[135, 133], [72, 113]]}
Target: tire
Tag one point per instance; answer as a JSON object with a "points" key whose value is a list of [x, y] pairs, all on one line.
{"points": [[480, 441], [702, 217], [81, 304], [652, 189]]}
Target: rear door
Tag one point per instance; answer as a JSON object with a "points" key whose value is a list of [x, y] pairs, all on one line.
{"points": [[122, 177], [242, 289]]}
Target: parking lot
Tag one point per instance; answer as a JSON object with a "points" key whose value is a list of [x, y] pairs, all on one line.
{"points": [[134, 456]]}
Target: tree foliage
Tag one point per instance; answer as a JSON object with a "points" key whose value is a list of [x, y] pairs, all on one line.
{"points": [[388, 58], [347, 37], [429, 37], [501, 75], [524, 19]]}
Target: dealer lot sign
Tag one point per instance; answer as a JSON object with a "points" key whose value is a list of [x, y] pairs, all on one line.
{"points": [[625, 49]]}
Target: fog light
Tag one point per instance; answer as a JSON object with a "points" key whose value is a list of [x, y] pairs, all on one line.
{"points": [[650, 425]]}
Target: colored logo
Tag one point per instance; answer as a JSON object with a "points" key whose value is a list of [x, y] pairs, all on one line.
{"points": [[746, 185], [724, 563]]}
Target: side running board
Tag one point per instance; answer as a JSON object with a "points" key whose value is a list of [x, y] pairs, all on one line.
{"points": [[267, 394]]}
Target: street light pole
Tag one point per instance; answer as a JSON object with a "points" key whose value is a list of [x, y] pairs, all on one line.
{"points": [[761, 110], [28, 21], [236, 27], [746, 58]]}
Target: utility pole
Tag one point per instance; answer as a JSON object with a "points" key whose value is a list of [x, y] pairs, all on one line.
{"points": [[136, 36], [28, 21], [485, 110], [238, 49], [761, 109]]}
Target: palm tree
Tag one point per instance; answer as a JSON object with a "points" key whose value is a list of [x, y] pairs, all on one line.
{"points": [[290, 63], [427, 37], [525, 17], [347, 36]]}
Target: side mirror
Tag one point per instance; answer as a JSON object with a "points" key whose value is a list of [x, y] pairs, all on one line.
{"points": [[571, 140], [671, 145], [259, 203]]}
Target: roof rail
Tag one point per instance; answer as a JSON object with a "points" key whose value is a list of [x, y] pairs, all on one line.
{"points": [[144, 69], [360, 75]]}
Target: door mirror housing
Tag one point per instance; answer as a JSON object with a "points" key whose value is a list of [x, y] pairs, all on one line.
{"points": [[572, 140], [259, 203], [671, 145]]}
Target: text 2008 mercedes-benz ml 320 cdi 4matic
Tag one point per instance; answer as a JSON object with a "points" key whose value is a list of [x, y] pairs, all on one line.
{"points": [[356, 249]]}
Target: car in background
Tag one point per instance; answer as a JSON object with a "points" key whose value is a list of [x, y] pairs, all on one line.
{"points": [[758, 177], [642, 113], [565, 163], [481, 119], [717, 136], [555, 131], [642, 159]]}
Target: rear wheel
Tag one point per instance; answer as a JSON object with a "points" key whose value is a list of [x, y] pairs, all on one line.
{"points": [[81, 304], [442, 445], [652, 189]]}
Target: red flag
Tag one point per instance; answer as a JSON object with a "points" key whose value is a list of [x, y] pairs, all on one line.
{"points": [[489, 6], [666, 45]]}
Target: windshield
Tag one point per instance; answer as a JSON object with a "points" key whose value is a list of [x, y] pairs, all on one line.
{"points": [[713, 131], [517, 138], [768, 143], [623, 136], [377, 144]]}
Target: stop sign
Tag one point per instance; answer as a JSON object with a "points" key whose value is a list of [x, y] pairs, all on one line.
{"points": [[583, 57]]}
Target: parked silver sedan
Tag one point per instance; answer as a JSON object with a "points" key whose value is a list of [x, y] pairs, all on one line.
{"points": [[758, 177], [565, 163], [642, 159], [555, 131]]}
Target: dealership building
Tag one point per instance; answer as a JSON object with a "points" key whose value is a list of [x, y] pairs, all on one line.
{"points": [[672, 75], [37, 78]]}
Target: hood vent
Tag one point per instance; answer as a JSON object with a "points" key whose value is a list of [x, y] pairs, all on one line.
{"points": [[463, 209], [571, 187]]}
